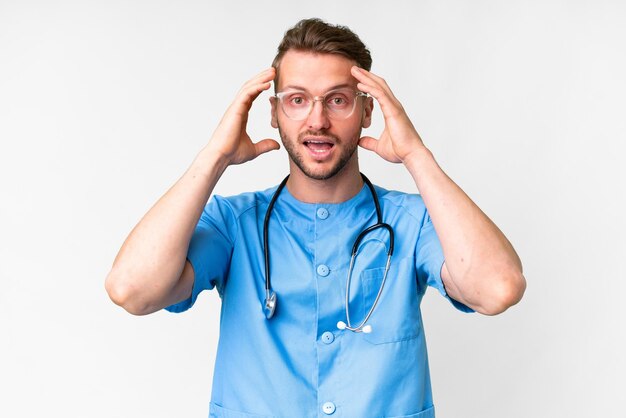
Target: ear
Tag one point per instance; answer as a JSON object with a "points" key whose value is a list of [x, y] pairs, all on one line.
{"points": [[274, 116], [368, 108]]}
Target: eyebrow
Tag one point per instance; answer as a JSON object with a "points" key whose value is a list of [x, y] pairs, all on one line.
{"points": [[300, 88]]}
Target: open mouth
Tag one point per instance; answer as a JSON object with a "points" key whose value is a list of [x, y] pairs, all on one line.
{"points": [[318, 146]]}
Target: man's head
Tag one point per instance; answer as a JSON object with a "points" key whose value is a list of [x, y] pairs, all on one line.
{"points": [[316, 36], [314, 61]]}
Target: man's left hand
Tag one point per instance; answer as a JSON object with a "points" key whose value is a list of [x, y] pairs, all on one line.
{"points": [[399, 138]]}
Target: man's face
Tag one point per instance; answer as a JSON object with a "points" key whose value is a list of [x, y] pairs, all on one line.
{"points": [[319, 145]]}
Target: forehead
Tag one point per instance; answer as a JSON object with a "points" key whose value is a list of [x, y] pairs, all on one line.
{"points": [[314, 72]]}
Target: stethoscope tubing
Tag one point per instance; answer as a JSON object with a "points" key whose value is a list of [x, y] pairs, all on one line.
{"points": [[270, 296], [359, 328]]}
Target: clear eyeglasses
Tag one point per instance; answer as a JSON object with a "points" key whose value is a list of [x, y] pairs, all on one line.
{"points": [[339, 104]]}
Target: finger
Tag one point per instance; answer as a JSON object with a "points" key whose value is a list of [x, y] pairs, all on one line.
{"points": [[264, 76], [368, 143], [377, 78], [379, 85], [390, 107], [243, 101], [377, 89], [266, 145], [252, 89], [367, 75], [251, 92]]}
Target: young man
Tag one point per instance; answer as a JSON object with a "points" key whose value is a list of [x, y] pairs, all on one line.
{"points": [[337, 330]]}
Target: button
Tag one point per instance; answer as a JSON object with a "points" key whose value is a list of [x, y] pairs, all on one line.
{"points": [[323, 270], [328, 408], [322, 213], [328, 337]]}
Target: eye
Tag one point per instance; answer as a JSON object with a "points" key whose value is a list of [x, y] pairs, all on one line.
{"points": [[296, 100], [338, 100]]}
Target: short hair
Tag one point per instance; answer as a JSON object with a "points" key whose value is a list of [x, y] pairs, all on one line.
{"points": [[315, 35]]}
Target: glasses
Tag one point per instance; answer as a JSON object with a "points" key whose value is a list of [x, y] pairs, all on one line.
{"points": [[339, 104]]}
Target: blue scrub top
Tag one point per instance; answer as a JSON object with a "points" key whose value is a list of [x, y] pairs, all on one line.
{"points": [[298, 364]]}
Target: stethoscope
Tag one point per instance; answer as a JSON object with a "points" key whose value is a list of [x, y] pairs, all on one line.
{"points": [[270, 296]]}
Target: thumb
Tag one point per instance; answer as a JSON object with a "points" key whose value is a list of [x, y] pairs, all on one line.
{"points": [[266, 145], [368, 143]]}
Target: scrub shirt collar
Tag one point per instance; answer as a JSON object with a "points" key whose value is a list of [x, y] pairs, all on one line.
{"points": [[340, 211]]}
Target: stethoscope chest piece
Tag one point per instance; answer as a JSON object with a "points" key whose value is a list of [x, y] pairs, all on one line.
{"points": [[270, 304]]}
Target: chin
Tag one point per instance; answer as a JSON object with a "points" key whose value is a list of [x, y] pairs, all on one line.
{"points": [[316, 172], [318, 169]]}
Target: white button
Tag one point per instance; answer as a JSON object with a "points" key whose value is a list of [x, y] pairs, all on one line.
{"points": [[322, 213], [323, 270], [328, 337], [328, 408]]}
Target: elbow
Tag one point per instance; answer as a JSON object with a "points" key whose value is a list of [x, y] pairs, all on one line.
{"points": [[506, 292], [122, 292]]}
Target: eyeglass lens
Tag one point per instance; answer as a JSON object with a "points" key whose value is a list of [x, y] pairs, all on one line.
{"points": [[338, 103]]}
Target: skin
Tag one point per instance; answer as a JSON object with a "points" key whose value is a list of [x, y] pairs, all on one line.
{"points": [[481, 270], [333, 178]]}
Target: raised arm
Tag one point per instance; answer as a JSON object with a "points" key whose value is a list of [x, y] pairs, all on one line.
{"points": [[482, 270], [150, 271]]}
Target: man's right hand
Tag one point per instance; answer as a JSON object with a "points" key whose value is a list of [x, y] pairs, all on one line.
{"points": [[230, 139], [151, 271]]}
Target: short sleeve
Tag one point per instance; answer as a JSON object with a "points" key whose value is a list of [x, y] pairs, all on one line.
{"points": [[429, 261], [210, 250]]}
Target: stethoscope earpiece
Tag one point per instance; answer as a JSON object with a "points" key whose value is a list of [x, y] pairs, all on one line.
{"points": [[364, 329]]}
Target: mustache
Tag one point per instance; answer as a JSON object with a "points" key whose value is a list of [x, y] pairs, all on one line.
{"points": [[322, 134]]}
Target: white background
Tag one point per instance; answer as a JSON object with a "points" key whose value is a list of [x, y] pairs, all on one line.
{"points": [[103, 105]]}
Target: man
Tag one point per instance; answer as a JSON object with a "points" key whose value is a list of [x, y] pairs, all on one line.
{"points": [[343, 336]]}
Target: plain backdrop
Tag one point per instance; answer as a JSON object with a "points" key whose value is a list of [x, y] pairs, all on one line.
{"points": [[104, 104]]}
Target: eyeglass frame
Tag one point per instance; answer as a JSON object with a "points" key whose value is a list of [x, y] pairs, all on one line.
{"points": [[279, 96]]}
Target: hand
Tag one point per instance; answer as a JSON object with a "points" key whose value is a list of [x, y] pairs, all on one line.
{"points": [[230, 138], [399, 138]]}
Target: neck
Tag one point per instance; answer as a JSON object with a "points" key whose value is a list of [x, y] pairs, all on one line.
{"points": [[341, 187]]}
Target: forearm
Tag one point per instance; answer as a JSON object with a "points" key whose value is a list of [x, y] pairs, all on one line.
{"points": [[150, 270], [484, 270], [151, 260]]}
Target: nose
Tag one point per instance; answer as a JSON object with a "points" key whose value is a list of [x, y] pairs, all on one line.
{"points": [[318, 118]]}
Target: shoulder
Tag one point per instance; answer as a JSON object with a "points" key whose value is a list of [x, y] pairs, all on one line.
{"points": [[402, 203], [237, 205]]}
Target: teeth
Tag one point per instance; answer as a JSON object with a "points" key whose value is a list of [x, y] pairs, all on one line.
{"points": [[313, 145]]}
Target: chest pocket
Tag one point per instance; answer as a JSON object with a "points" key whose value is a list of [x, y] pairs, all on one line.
{"points": [[396, 316]]}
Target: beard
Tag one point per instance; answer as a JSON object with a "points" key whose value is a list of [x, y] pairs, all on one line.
{"points": [[309, 171]]}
